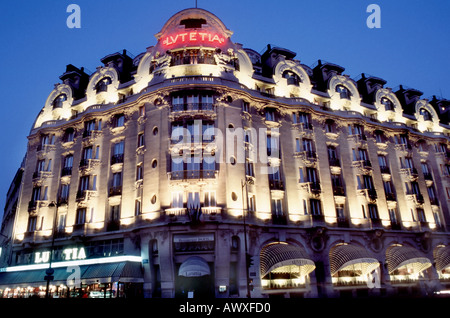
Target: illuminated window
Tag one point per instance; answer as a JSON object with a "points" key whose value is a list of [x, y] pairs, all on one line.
{"points": [[210, 199], [426, 114], [343, 91], [59, 100], [388, 104], [177, 200], [102, 85]]}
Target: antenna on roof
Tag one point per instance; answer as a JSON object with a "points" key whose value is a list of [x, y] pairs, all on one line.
{"points": [[195, 3]]}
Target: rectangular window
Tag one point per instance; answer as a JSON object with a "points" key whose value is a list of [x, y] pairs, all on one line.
{"points": [[115, 213], [64, 192], [117, 179], [87, 153], [140, 142], [246, 107], [137, 207], [119, 120], [118, 148], [316, 207], [36, 194], [421, 215], [84, 183], [177, 200], [32, 220], [373, 211], [249, 168], [62, 222], [210, 199], [277, 206], [40, 165], [332, 153], [382, 161], [81, 216], [139, 172], [308, 145], [251, 203], [393, 215], [297, 145], [340, 212]]}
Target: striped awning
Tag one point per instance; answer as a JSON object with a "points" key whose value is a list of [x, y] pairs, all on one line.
{"points": [[283, 257], [442, 257], [346, 256], [102, 273], [406, 257], [194, 266]]}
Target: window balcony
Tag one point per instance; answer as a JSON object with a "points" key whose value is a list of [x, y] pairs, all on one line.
{"points": [[279, 219], [66, 171], [192, 174], [276, 185], [343, 222], [113, 225], [370, 194], [385, 170], [338, 191], [62, 201], [428, 176], [434, 201], [391, 196], [32, 205], [113, 191], [334, 162], [117, 158]]}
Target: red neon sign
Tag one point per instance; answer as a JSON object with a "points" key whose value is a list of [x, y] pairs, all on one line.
{"points": [[193, 37]]}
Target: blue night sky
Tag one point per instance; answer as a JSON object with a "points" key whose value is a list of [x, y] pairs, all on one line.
{"points": [[410, 48]]}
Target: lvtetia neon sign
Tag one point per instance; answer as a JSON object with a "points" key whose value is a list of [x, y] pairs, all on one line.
{"points": [[194, 37]]}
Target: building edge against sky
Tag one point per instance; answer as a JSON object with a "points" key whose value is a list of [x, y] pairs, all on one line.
{"points": [[204, 168]]}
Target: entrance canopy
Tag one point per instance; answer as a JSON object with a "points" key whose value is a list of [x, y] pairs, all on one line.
{"points": [[442, 257], [351, 257], [283, 257], [194, 266], [102, 273], [406, 257]]}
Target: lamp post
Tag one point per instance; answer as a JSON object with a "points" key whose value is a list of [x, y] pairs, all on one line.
{"points": [[49, 277], [247, 265]]}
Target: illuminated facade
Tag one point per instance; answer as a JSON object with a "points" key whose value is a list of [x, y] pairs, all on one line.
{"points": [[185, 165]]}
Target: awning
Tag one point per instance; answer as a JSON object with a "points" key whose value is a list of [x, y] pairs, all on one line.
{"points": [[102, 273], [283, 257], [442, 257], [400, 256], [352, 257], [194, 266]]}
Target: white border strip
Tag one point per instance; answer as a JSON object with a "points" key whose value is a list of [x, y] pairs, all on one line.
{"points": [[93, 261]]}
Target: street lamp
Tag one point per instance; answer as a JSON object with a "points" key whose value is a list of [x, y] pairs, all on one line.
{"points": [[49, 277], [247, 264]]}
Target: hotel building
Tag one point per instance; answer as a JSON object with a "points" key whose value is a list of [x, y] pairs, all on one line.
{"points": [[203, 168]]}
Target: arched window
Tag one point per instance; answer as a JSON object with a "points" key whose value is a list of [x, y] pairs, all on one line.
{"points": [[292, 78], [426, 114], [343, 92], [388, 104], [58, 101], [102, 85]]}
